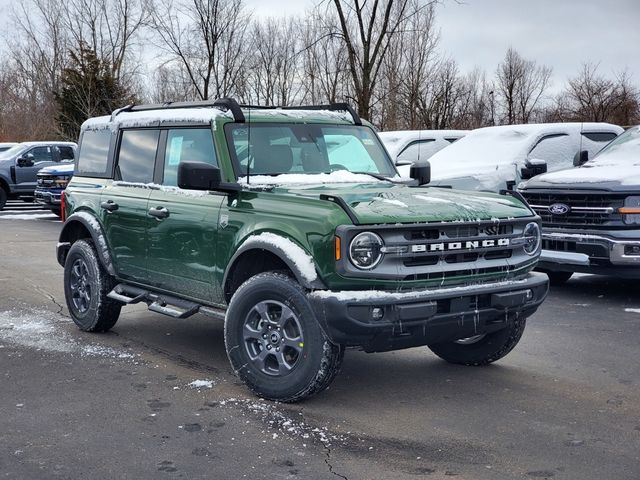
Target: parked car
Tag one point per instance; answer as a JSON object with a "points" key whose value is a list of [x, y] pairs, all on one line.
{"points": [[409, 146], [591, 214], [495, 158], [262, 218], [4, 146], [20, 165], [52, 181]]}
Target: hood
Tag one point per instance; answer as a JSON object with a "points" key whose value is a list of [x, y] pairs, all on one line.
{"points": [[62, 169], [387, 203], [600, 177]]}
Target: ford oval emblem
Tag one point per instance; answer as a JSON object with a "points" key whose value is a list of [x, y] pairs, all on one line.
{"points": [[559, 209]]}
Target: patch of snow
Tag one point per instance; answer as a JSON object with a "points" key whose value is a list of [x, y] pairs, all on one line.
{"points": [[163, 188], [43, 331], [397, 203], [301, 259], [339, 176], [632, 310], [24, 216], [381, 295], [201, 384], [153, 117]]}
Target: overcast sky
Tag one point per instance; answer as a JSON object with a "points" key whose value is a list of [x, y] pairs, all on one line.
{"points": [[559, 33]]}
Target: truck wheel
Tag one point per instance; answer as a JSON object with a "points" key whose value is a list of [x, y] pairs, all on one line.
{"points": [[558, 278], [482, 349], [3, 198], [274, 342], [86, 285]]}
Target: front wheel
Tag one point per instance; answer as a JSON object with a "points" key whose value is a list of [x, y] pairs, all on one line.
{"points": [[274, 342], [86, 285], [482, 349], [559, 278]]}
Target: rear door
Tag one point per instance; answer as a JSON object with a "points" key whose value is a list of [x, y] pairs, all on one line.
{"points": [[124, 202], [182, 235]]}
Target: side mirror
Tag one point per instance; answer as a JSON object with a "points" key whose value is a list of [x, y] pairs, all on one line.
{"points": [[580, 158], [26, 161], [202, 176], [533, 167], [421, 171]]}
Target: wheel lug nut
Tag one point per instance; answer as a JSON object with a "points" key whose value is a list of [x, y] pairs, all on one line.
{"points": [[264, 336], [268, 347], [278, 349]]}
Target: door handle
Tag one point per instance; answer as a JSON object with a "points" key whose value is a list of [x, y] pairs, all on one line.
{"points": [[159, 212], [109, 206]]}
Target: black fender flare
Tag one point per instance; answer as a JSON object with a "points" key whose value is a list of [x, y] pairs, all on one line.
{"points": [[256, 243], [94, 227]]}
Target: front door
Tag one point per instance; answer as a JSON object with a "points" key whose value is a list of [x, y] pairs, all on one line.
{"points": [[124, 203], [26, 176], [182, 238]]}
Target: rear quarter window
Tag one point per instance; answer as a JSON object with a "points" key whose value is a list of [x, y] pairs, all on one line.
{"points": [[94, 159]]}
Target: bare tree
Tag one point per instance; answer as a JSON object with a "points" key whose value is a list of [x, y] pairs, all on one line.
{"points": [[367, 28], [207, 37]]}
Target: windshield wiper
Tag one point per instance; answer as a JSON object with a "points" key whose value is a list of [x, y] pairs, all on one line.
{"points": [[376, 175]]}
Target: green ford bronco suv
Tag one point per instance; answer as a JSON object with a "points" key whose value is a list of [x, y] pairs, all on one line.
{"points": [[294, 227]]}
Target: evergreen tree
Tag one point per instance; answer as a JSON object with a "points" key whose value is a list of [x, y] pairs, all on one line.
{"points": [[88, 89]]}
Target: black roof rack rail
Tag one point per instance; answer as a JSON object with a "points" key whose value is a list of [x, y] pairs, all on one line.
{"points": [[236, 109], [221, 103]]}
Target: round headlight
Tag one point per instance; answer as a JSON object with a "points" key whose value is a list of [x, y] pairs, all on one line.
{"points": [[531, 236], [364, 251]]}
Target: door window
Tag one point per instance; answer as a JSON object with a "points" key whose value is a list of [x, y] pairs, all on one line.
{"points": [[557, 150], [137, 155], [187, 145], [421, 149], [41, 154], [66, 153], [93, 157]]}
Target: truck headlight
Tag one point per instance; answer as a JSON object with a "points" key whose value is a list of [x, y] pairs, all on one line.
{"points": [[531, 235], [364, 250], [631, 210]]}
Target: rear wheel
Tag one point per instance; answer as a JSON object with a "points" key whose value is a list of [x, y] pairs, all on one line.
{"points": [[86, 285], [482, 349], [274, 342]]}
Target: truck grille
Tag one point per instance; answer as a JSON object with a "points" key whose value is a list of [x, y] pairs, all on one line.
{"points": [[592, 210], [448, 251], [46, 180]]}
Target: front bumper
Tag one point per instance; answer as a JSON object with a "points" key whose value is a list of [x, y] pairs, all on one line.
{"points": [[382, 321], [605, 252], [45, 198]]}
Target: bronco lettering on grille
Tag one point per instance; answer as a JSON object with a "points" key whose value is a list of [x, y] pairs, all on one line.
{"points": [[468, 245]]}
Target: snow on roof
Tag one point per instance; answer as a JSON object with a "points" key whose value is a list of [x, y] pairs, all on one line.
{"points": [[7, 144], [396, 141], [52, 142], [201, 115]]}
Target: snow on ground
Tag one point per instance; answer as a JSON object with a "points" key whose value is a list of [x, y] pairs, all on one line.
{"points": [[201, 384], [24, 216], [280, 422], [632, 310], [45, 331]]}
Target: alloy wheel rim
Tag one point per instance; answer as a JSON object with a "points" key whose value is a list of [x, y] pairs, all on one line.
{"points": [[273, 338], [80, 286]]}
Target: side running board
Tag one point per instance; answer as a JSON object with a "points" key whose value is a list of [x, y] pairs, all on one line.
{"points": [[160, 303]]}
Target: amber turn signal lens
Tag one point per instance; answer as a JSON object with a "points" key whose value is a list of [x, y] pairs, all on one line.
{"points": [[629, 210], [338, 248]]}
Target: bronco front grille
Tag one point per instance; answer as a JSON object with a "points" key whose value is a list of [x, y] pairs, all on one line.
{"points": [[592, 210]]}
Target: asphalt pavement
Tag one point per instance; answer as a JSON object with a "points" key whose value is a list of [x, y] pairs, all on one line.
{"points": [[155, 398]]}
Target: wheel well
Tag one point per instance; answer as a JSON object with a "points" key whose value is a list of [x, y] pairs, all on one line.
{"points": [[74, 231], [251, 263], [5, 186]]}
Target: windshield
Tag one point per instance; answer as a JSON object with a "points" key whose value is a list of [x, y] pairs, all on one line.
{"points": [[274, 149], [11, 152], [626, 147]]}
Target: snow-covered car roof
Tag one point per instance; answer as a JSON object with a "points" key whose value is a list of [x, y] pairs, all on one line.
{"points": [[506, 143], [396, 141], [147, 118], [8, 144], [53, 142]]}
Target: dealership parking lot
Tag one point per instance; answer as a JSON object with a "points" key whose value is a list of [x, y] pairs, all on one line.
{"points": [[155, 398]]}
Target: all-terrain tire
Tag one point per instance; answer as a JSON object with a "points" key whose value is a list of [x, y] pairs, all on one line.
{"points": [[486, 350], [558, 278], [306, 363], [3, 197], [86, 285]]}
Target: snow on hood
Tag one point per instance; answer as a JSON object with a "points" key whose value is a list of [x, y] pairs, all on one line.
{"points": [[61, 169]]}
